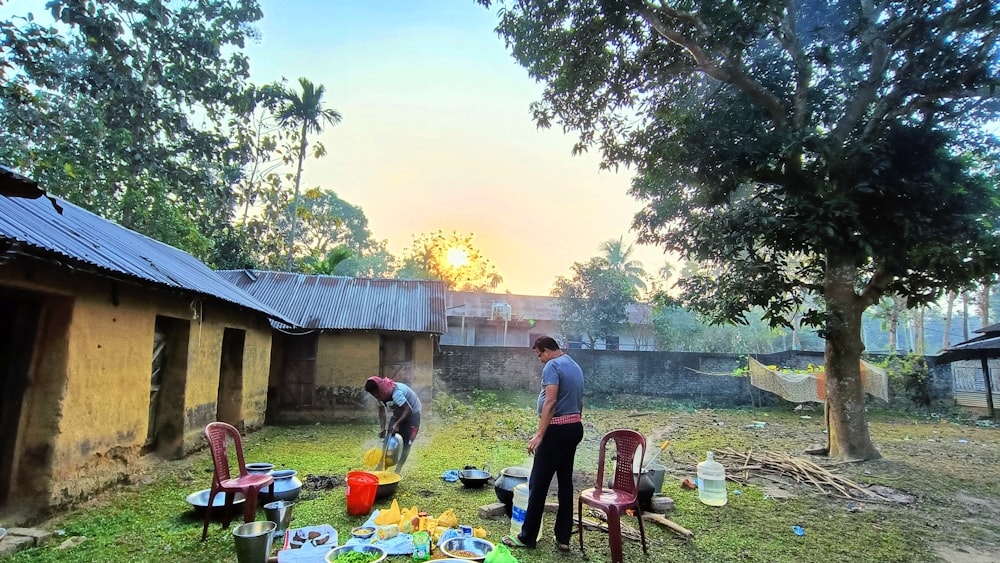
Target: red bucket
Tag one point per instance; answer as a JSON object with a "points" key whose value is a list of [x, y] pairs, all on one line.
{"points": [[361, 489]]}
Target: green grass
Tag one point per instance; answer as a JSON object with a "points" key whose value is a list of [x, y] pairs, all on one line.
{"points": [[151, 521]]}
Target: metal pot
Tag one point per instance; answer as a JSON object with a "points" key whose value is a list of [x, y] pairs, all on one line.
{"points": [[474, 478], [286, 485], [505, 482], [388, 482]]}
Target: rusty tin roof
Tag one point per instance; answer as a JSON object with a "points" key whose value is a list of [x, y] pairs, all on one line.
{"points": [[343, 303], [83, 240]]}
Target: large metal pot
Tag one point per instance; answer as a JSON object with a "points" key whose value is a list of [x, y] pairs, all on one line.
{"points": [[286, 485], [474, 478], [505, 482]]}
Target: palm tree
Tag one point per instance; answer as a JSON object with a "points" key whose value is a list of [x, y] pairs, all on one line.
{"points": [[305, 111], [618, 257]]}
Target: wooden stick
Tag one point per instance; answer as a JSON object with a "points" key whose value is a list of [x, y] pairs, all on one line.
{"points": [[674, 526]]}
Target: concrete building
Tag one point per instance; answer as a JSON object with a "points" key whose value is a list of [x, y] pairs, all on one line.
{"points": [[497, 319]]}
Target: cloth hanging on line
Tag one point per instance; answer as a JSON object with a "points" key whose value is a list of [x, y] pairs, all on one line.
{"points": [[811, 387]]}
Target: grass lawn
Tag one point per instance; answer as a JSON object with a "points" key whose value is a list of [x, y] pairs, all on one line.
{"points": [[944, 469]]}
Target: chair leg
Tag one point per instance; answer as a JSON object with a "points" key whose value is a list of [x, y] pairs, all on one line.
{"points": [[250, 506], [642, 531], [228, 517], [615, 535], [208, 514], [579, 521]]}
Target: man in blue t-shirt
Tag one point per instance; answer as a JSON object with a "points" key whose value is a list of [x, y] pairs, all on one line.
{"points": [[560, 431]]}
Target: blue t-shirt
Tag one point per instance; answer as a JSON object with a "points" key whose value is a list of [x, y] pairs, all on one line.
{"points": [[401, 396], [566, 373]]}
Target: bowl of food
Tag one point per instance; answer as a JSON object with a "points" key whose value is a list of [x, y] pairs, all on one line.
{"points": [[362, 532], [467, 548], [357, 553], [388, 482]]}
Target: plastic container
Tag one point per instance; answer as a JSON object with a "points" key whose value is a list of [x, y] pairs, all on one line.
{"points": [[519, 509], [712, 481], [387, 532], [361, 489]]}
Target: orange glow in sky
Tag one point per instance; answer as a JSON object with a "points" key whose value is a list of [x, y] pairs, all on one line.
{"points": [[437, 135]]}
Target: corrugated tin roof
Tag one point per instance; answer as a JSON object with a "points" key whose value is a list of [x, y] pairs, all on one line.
{"points": [[342, 303], [15, 185], [80, 236], [524, 307]]}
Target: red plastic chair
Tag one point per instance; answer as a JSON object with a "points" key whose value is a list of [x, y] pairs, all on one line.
{"points": [[218, 434], [624, 491]]}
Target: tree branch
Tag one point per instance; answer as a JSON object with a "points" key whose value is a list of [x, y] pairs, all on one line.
{"points": [[726, 72], [868, 89]]}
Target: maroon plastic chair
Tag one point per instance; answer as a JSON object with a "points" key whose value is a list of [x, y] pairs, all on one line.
{"points": [[219, 434], [624, 492]]}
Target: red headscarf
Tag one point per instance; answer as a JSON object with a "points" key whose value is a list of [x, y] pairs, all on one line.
{"points": [[385, 387]]}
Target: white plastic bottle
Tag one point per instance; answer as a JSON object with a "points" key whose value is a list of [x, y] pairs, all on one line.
{"points": [[712, 481], [518, 510]]}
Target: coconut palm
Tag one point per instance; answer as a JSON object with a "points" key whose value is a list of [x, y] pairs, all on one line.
{"points": [[618, 257], [305, 111]]}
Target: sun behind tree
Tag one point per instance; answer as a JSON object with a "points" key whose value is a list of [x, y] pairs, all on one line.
{"points": [[451, 258], [457, 257]]}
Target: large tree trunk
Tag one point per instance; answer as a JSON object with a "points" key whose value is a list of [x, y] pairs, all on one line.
{"points": [[847, 425]]}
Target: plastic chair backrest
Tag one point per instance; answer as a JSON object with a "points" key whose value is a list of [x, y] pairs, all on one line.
{"points": [[627, 443], [218, 434]]}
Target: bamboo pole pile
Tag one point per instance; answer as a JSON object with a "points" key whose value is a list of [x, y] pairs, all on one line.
{"points": [[776, 465]]}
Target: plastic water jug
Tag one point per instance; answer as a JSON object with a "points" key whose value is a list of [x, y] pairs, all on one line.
{"points": [[712, 481], [519, 509]]}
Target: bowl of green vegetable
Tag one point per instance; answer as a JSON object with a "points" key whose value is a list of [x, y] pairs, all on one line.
{"points": [[357, 553]]}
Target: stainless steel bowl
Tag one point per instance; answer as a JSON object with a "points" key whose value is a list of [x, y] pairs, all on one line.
{"points": [[478, 546], [199, 499], [336, 552]]}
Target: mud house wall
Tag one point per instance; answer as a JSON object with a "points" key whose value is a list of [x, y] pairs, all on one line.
{"points": [[205, 348], [344, 360], [86, 411]]}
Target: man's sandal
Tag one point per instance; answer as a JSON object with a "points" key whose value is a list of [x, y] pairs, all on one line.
{"points": [[512, 541], [562, 547]]}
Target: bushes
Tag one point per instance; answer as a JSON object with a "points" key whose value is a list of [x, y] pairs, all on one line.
{"points": [[910, 380]]}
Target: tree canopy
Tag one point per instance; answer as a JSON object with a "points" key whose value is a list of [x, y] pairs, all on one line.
{"points": [[594, 300], [845, 137], [126, 109]]}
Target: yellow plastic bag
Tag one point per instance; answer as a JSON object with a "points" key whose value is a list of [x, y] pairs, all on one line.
{"points": [[448, 519], [390, 516]]}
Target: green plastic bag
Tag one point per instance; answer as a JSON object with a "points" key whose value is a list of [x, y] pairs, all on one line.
{"points": [[500, 554]]}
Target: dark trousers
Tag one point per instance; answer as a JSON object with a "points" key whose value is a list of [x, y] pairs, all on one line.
{"points": [[554, 456]]}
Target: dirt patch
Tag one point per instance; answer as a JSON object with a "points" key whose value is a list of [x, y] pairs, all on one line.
{"points": [[966, 554]]}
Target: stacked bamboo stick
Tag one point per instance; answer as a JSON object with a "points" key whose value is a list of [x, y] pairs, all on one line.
{"points": [[776, 465]]}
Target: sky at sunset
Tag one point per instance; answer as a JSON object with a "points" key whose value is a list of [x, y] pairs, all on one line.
{"points": [[437, 134]]}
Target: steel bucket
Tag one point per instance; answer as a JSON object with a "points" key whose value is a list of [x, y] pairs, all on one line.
{"points": [[253, 541], [279, 512]]}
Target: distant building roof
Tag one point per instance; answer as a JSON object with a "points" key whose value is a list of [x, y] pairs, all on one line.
{"points": [[343, 303], [524, 307], [34, 228]]}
